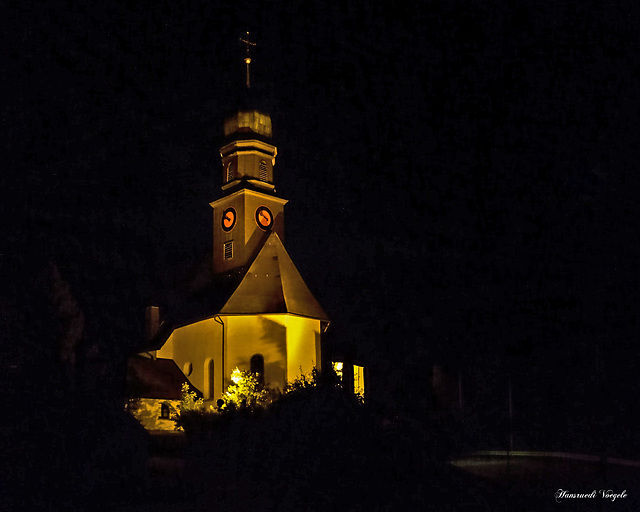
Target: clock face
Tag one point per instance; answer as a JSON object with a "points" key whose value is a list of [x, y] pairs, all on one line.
{"points": [[264, 217], [228, 219]]}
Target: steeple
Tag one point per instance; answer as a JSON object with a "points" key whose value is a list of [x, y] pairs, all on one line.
{"points": [[248, 155], [249, 211]]}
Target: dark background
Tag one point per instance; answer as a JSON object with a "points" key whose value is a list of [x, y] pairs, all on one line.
{"points": [[462, 179]]}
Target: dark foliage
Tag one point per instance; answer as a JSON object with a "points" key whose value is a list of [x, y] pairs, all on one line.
{"points": [[66, 440], [316, 448]]}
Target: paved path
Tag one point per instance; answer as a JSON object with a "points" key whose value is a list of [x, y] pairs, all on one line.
{"points": [[532, 479]]}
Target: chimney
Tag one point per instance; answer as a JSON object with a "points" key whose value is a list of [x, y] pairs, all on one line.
{"points": [[151, 322]]}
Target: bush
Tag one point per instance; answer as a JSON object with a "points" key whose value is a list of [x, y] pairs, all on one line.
{"points": [[313, 443], [246, 391]]}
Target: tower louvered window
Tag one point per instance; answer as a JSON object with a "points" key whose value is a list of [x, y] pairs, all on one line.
{"points": [[263, 170], [228, 250], [230, 171]]}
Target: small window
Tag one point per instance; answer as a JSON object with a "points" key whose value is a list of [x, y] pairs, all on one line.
{"points": [[187, 368], [165, 411], [257, 367], [263, 170], [358, 380], [228, 250]]}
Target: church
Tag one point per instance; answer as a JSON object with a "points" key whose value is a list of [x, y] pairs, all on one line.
{"points": [[255, 312]]}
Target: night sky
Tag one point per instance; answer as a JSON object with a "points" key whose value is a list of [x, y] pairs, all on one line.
{"points": [[463, 179]]}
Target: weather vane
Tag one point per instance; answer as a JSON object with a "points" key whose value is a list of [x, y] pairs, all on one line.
{"points": [[247, 59]]}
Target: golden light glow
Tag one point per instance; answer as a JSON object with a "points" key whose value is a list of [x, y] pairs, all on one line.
{"points": [[245, 390], [236, 376], [337, 367], [358, 380]]}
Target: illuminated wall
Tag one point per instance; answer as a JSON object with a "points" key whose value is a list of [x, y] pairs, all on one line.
{"points": [[257, 334], [289, 345], [197, 350], [303, 345]]}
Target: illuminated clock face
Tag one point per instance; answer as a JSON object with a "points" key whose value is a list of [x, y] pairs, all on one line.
{"points": [[228, 219], [264, 217]]}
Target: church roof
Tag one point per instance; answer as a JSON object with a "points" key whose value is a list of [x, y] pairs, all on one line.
{"points": [[248, 121], [155, 378], [273, 285]]}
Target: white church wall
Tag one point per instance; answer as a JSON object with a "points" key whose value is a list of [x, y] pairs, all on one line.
{"points": [[266, 335], [303, 345], [197, 350]]}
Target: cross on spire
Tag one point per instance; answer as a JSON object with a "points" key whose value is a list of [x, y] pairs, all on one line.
{"points": [[247, 59]]}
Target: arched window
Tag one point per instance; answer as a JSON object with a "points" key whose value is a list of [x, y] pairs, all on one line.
{"points": [[209, 378], [257, 367]]}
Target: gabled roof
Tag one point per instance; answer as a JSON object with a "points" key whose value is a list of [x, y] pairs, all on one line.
{"points": [[273, 285]]}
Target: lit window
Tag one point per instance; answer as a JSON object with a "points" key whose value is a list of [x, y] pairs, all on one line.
{"points": [[358, 380], [228, 250], [263, 170], [337, 367]]}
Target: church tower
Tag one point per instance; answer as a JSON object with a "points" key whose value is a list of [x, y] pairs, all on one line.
{"points": [[249, 210]]}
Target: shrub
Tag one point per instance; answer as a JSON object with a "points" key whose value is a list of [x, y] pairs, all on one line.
{"points": [[246, 391]]}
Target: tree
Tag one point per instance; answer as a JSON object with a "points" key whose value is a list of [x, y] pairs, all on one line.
{"points": [[189, 401]]}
